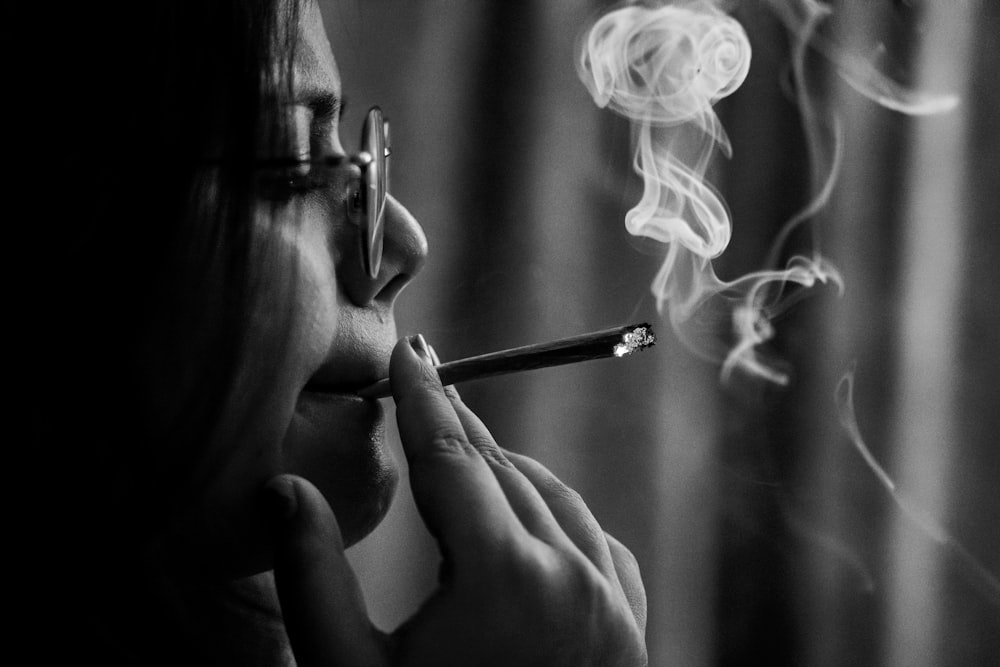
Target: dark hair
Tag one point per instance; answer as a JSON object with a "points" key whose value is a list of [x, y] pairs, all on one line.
{"points": [[136, 128]]}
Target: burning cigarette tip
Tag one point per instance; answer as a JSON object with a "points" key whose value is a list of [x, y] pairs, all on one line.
{"points": [[616, 342], [638, 338]]}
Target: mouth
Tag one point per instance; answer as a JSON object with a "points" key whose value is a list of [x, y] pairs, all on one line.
{"points": [[346, 376], [319, 390]]}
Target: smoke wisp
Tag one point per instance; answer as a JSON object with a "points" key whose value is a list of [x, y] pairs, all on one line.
{"points": [[664, 68], [976, 573]]}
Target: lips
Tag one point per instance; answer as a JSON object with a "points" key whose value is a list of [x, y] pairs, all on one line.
{"points": [[346, 372], [337, 384], [336, 440]]}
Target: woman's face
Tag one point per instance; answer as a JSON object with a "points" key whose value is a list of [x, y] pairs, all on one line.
{"points": [[340, 335]]}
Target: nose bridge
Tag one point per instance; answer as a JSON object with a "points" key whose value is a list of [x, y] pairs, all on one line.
{"points": [[404, 252]]}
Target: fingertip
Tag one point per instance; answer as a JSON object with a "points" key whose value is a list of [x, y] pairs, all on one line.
{"points": [[299, 509], [423, 350], [404, 354], [410, 367], [435, 359], [280, 498], [322, 605]]}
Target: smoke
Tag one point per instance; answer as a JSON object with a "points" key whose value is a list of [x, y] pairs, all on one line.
{"points": [[975, 572], [664, 66], [800, 17]]}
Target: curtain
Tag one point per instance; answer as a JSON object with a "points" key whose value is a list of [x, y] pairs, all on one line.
{"points": [[761, 531]]}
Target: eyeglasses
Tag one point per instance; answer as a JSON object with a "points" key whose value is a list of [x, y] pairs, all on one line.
{"points": [[365, 206], [374, 188]]}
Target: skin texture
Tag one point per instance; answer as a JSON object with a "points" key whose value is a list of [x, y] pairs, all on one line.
{"points": [[528, 576], [340, 330]]}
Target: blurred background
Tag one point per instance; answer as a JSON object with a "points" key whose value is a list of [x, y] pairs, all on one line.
{"points": [[762, 534]]}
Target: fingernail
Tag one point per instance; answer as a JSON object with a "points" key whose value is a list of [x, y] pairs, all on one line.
{"points": [[280, 499], [450, 389], [419, 345]]}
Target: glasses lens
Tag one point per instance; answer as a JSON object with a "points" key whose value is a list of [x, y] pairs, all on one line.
{"points": [[376, 175]]}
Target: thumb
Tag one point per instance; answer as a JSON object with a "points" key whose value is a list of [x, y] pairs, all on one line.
{"points": [[321, 601]]}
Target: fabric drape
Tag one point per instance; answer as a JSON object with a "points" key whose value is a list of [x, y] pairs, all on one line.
{"points": [[761, 533]]}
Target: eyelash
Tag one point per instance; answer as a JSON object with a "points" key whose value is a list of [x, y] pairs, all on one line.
{"points": [[282, 189], [306, 184]]}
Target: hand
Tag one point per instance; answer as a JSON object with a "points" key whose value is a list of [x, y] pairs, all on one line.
{"points": [[528, 576]]}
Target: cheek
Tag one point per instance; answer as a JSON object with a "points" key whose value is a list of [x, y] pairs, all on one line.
{"points": [[292, 331], [337, 444], [336, 441], [315, 294]]}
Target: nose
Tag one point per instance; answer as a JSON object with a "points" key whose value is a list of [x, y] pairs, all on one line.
{"points": [[404, 252]]}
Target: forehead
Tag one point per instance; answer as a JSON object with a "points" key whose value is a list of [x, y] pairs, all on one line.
{"points": [[315, 67]]}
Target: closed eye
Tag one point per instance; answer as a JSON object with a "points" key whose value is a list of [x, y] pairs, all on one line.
{"points": [[283, 185]]}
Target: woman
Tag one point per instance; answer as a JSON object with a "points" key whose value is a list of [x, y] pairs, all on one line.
{"points": [[218, 281]]}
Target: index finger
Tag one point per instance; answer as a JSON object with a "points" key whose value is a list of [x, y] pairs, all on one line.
{"points": [[455, 491]]}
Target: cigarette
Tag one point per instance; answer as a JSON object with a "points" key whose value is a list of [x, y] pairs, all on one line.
{"points": [[617, 342]]}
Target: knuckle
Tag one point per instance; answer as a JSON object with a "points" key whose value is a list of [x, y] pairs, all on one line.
{"points": [[569, 577], [447, 444], [552, 486], [529, 562], [533, 570], [577, 603], [622, 555], [490, 451], [590, 585]]}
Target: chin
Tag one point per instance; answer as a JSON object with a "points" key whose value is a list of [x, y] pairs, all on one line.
{"points": [[338, 444], [360, 513]]}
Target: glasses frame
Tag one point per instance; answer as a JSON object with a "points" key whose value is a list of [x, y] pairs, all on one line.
{"points": [[375, 185], [366, 209]]}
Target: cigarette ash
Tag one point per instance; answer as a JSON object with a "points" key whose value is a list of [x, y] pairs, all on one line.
{"points": [[638, 339]]}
